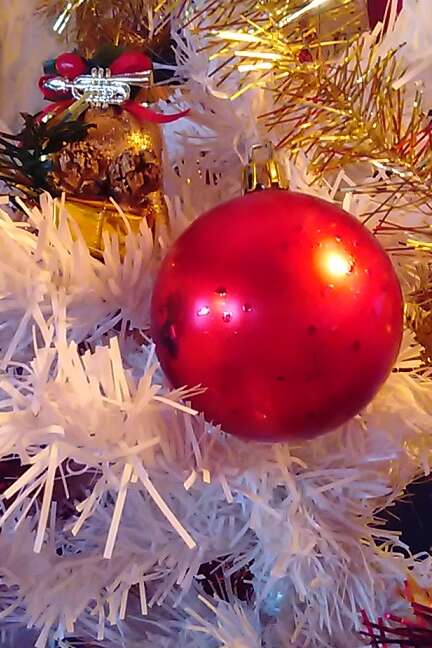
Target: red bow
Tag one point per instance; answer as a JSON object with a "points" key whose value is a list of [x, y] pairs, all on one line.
{"points": [[70, 66]]}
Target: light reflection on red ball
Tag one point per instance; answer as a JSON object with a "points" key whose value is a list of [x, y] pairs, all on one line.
{"points": [[285, 308]]}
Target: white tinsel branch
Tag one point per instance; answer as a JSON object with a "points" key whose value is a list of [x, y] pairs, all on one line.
{"points": [[123, 493]]}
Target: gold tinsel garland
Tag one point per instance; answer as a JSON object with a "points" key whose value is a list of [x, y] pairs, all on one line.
{"points": [[354, 111], [294, 26], [418, 308], [142, 24], [335, 96], [261, 38]]}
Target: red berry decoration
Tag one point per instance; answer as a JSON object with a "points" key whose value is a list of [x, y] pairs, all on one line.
{"points": [[285, 308], [131, 61], [70, 65]]}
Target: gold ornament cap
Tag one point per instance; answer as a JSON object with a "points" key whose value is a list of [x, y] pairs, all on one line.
{"points": [[263, 171]]}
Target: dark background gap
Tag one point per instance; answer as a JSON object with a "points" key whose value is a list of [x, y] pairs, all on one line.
{"points": [[413, 515]]}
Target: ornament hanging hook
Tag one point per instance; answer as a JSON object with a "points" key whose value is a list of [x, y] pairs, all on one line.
{"points": [[263, 171]]}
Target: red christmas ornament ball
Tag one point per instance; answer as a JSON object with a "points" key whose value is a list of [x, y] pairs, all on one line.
{"points": [[285, 308]]}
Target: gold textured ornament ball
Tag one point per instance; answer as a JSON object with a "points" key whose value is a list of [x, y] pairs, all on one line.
{"points": [[120, 158]]}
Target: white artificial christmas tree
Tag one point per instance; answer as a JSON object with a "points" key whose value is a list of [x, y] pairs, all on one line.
{"points": [[121, 491]]}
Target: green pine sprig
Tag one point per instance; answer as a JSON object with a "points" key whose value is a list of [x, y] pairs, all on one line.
{"points": [[25, 157]]}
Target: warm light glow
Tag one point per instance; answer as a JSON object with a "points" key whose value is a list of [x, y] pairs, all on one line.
{"points": [[65, 16], [237, 36], [314, 4], [270, 56], [337, 264], [249, 67], [139, 141]]}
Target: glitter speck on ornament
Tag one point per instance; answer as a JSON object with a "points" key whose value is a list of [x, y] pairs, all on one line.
{"points": [[203, 311]]}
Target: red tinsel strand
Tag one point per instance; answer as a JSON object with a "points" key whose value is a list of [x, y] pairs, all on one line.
{"points": [[370, 632], [382, 632], [422, 610], [411, 633]]}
